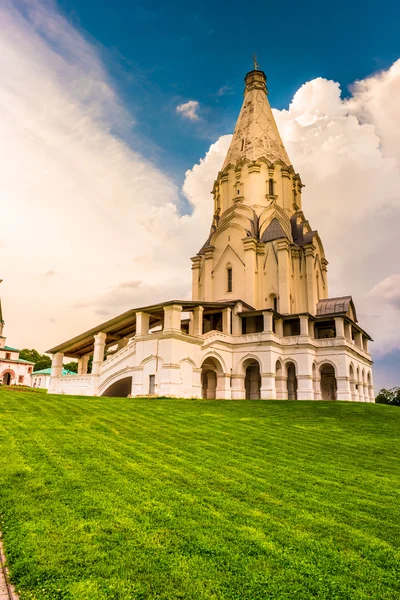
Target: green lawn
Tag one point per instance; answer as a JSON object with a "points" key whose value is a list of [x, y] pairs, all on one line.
{"points": [[143, 499]]}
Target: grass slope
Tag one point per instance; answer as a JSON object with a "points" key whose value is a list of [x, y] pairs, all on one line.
{"points": [[143, 499]]}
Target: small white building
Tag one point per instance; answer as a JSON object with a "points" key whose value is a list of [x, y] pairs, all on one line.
{"points": [[41, 379], [13, 369], [260, 323]]}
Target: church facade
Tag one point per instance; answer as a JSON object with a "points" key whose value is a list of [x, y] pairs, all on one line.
{"points": [[260, 323]]}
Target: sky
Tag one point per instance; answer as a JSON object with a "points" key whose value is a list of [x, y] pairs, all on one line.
{"points": [[116, 117]]}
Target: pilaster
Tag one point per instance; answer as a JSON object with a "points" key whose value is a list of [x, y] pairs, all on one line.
{"points": [[311, 287], [208, 276], [250, 258], [284, 276], [227, 320], [196, 266]]}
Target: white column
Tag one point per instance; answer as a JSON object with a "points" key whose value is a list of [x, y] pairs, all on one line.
{"points": [[279, 327], [98, 352], [358, 338], [223, 389], [238, 389], [198, 320], [339, 326], [83, 364], [267, 391], [142, 323], [172, 317], [343, 388], [226, 320], [57, 364], [304, 325], [305, 389], [268, 319], [347, 331], [311, 329], [236, 324]]}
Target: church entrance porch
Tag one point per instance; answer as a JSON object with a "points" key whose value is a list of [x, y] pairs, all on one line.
{"points": [[119, 389], [328, 382], [214, 382]]}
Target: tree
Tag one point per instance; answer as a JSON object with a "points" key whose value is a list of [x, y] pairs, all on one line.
{"points": [[71, 366], [41, 361], [391, 396]]}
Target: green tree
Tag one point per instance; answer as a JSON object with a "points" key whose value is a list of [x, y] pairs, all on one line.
{"points": [[391, 396], [41, 361], [71, 366]]}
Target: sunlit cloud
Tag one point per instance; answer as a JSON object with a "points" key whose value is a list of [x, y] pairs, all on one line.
{"points": [[188, 110]]}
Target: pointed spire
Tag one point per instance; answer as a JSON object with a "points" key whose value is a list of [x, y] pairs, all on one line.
{"points": [[256, 134]]}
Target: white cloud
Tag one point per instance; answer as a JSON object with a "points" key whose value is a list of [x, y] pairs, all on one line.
{"points": [[388, 291], [188, 110], [348, 155]]}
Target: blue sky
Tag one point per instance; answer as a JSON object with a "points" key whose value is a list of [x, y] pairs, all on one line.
{"points": [[164, 52], [89, 95]]}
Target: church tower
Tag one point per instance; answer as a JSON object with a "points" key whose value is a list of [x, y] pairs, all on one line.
{"points": [[261, 249]]}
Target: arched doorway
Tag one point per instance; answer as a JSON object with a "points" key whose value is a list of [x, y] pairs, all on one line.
{"points": [[7, 377], [210, 369], [328, 382], [119, 389], [252, 382], [291, 381]]}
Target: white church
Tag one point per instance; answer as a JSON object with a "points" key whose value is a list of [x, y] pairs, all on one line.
{"points": [[261, 324]]}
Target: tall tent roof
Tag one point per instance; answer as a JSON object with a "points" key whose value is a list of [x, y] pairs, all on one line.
{"points": [[256, 134]]}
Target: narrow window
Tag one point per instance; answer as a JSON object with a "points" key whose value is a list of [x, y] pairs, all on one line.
{"points": [[238, 192], [21, 379], [8, 355], [229, 272], [242, 144], [152, 380], [276, 304], [271, 187]]}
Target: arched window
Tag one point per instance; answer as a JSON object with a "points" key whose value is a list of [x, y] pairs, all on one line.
{"points": [[271, 187], [229, 278]]}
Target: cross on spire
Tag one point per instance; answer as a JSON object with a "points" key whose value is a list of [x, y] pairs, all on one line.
{"points": [[255, 63]]}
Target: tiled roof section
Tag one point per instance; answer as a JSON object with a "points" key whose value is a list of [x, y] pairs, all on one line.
{"points": [[48, 372], [256, 134], [299, 237], [10, 349], [332, 306], [274, 231]]}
